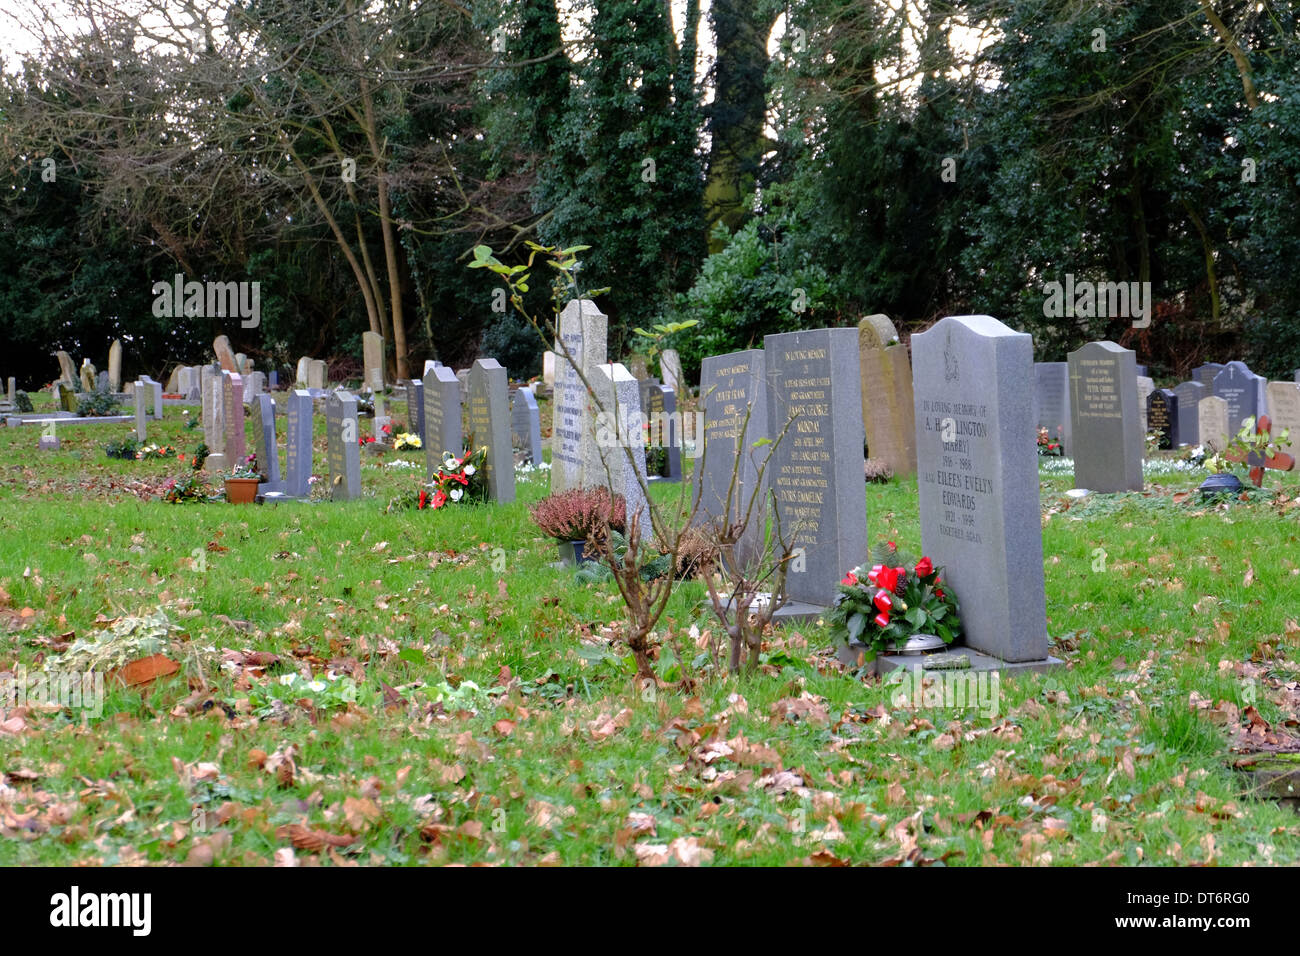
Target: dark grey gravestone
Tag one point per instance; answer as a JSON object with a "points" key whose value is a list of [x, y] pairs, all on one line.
{"points": [[1162, 417], [1052, 400], [489, 425], [442, 418], [1243, 390], [415, 408], [814, 383], [978, 479], [1205, 373], [298, 419], [1104, 418], [526, 424], [1141, 370], [273, 379], [264, 444], [733, 398], [1189, 395], [663, 428], [343, 452], [101, 381]]}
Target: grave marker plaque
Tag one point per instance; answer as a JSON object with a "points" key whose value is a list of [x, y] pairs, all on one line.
{"points": [[583, 333], [1105, 426], [1052, 401], [344, 453], [663, 430], [618, 432], [442, 418], [232, 391], [1244, 392], [264, 444], [1189, 395], [298, 456], [888, 416], [1162, 418], [489, 425], [1284, 408], [526, 425], [1214, 422]]}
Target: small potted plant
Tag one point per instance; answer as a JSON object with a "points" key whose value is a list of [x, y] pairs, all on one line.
{"points": [[573, 517], [1256, 448], [895, 605], [242, 482]]}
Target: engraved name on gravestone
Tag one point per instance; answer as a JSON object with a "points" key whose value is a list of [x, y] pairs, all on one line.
{"points": [[733, 398], [442, 418], [343, 452], [264, 443], [1052, 401], [1189, 395], [887, 409], [298, 455], [663, 431], [814, 382], [1243, 390], [1162, 417], [1105, 427], [489, 425], [583, 335], [526, 425], [619, 441], [232, 388], [978, 480]]}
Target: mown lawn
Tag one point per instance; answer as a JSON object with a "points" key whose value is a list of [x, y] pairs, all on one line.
{"points": [[479, 712]]}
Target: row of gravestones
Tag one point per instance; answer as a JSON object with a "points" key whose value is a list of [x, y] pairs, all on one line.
{"points": [[1099, 407]]}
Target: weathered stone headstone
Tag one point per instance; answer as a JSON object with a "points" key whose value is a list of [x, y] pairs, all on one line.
{"points": [[887, 412], [232, 392], [1052, 401], [225, 354], [548, 369], [317, 374], [87, 376], [1243, 390], [670, 367], [12, 390], [1189, 395], [1205, 373], [174, 381], [1104, 423], [214, 418], [583, 334], [639, 366], [489, 426], [372, 344], [101, 381], [297, 426], [255, 385], [733, 398], [187, 379], [814, 383], [242, 364], [415, 408], [1213, 413], [67, 371], [67, 395], [273, 379], [442, 418], [1145, 386], [978, 477], [155, 391], [1162, 418], [618, 433], [663, 429], [115, 366], [526, 425], [344, 453], [1284, 408], [303, 372], [264, 444], [141, 431]]}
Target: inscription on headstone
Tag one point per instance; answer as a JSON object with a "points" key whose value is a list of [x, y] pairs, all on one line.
{"points": [[1105, 427], [583, 331], [298, 456], [344, 453], [1189, 395], [1162, 417], [264, 444], [489, 424], [442, 418]]}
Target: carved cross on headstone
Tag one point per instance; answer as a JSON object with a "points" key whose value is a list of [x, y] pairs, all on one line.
{"points": [[1257, 462]]}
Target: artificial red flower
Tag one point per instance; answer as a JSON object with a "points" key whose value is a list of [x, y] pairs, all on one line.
{"points": [[892, 546], [939, 591], [874, 573], [462, 479], [924, 567], [849, 580], [882, 619], [888, 578], [424, 499], [884, 601], [387, 429], [439, 498]]}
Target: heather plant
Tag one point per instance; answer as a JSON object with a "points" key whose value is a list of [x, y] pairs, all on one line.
{"points": [[580, 514]]}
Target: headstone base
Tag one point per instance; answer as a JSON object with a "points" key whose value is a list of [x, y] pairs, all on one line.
{"points": [[979, 661]]}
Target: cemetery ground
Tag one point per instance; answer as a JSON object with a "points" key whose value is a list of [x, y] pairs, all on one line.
{"points": [[460, 700]]}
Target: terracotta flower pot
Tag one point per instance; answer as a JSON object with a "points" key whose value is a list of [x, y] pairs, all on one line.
{"points": [[241, 491]]}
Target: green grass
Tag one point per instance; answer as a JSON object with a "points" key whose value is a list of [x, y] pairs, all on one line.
{"points": [[562, 759]]}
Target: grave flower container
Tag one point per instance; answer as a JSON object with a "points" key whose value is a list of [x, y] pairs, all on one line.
{"points": [[241, 491]]}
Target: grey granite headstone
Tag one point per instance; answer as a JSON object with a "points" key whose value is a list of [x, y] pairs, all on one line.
{"points": [[1052, 401], [264, 444], [140, 428], [442, 418], [1162, 418], [1284, 408], [101, 382], [232, 391], [978, 479], [415, 408], [1189, 395], [254, 385], [298, 455], [344, 453], [663, 428], [814, 384], [317, 374], [1205, 373], [733, 398], [583, 334], [1243, 390], [214, 419], [303, 373], [273, 379], [155, 391], [1105, 426], [1145, 387], [526, 425], [187, 380], [1213, 425], [489, 425], [619, 442]]}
